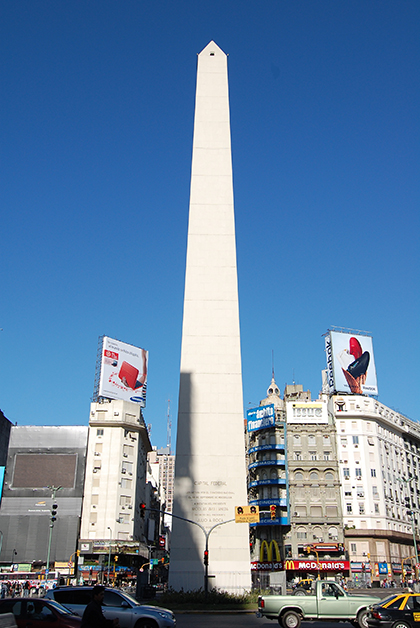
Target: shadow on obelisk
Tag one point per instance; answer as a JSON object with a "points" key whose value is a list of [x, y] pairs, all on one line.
{"points": [[186, 568]]}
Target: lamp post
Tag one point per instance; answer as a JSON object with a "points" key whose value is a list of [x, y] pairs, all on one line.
{"points": [[411, 513], [1, 540], [109, 553]]}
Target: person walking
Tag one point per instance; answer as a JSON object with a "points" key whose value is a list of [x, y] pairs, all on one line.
{"points": [[93, 616]]}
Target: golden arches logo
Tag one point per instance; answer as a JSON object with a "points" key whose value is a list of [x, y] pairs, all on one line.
{"points": [[269, 551], [289, 564]]}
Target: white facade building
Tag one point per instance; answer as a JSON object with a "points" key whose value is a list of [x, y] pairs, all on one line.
{"points": [[379, 459], [115, 481]]}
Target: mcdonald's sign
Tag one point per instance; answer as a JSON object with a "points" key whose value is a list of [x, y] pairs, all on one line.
{"points": [[269, 551], [289, 564]]}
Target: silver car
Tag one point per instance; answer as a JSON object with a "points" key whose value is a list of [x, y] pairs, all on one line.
{"points": [[116, 603]]}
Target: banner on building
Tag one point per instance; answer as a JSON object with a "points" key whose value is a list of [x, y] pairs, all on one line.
{"points": [[306, 412], [261, 418], [123, 372], [350, 363]]}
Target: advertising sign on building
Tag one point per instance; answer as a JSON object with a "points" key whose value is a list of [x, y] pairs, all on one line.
{"points": [[123, 372], [350, 363], [260, 418], [306, 412], [313, 565]]}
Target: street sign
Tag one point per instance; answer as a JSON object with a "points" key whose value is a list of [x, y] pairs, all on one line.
{"points": [[247, 514], [69, 564], [154, 561]]}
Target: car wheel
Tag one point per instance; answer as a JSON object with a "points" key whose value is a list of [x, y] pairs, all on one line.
{"points": [[400, 624], [300, 592], [146, 623], [362, 618], [290, 620]]}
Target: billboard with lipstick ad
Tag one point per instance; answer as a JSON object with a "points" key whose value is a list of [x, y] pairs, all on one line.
{"points": [[350, 363], [123, 371]]}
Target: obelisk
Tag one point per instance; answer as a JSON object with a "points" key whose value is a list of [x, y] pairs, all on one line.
{"points": [[210, 469]]}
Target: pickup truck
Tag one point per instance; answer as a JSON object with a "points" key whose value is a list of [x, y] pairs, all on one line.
{"points": [[326, 601]]}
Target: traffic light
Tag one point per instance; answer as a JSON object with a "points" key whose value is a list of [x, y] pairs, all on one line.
{"points": [[206, 557], [115, 559], [273, 509], [142, 509], [77, 552], [54, 513], [162, 560]]}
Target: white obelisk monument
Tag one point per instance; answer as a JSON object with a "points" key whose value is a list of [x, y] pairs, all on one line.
{"points": [[210, 469]]}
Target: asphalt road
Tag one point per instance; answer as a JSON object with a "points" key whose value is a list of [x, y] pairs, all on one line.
{"points": [[242, 620]]}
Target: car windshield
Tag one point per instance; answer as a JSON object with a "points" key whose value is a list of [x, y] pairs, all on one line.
{"points": [[59, 608], [388, 599], [130, 599]]}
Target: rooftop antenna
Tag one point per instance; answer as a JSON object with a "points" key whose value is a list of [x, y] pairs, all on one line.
{"points": [[272, 363], [168, 427], [294, 377]]}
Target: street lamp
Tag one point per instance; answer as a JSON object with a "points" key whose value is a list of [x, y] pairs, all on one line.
{"points": [[411, 513], [109, 552]]}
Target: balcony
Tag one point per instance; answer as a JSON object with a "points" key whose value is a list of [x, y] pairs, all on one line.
{"points": [[268, 502], [267, 482], [267, 463], [274, 447]]}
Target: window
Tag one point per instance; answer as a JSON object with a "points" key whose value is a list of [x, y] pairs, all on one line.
{"points": [[299, 476], [301, 534], [313, 476], [347, 493], [99, 432], [346, 472], [361, 509], [296, 440], [355, 440], [329, 476], [344, 441], [349, 508], [358, 473], [326, 455], [311, 440], [298, 455], [376, 507], [312, 455], [353, 548], [373, 473], [375, 491], [327, 440], [360, 491]]}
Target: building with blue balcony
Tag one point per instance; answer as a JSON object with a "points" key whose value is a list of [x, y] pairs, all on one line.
{"points": [[268, 485]]}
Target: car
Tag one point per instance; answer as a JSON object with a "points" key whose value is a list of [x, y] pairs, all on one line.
{"points": [[303, 586], [401, 610], [39, 613], [131, 614]]}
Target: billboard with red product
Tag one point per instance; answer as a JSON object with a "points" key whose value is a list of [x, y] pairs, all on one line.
{"points": [[123, 371], [350, 363]]}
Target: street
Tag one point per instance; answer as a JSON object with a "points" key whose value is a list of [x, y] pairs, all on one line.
{"points": [[240, 620]]}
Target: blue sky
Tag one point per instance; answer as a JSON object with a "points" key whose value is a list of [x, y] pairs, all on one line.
{"points": [[96, 137]]}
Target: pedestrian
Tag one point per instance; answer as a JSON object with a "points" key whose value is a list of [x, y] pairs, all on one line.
{"points": [[93, 616]]}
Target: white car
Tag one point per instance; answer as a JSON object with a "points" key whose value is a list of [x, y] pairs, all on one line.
{"points": [[116, 603]]}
